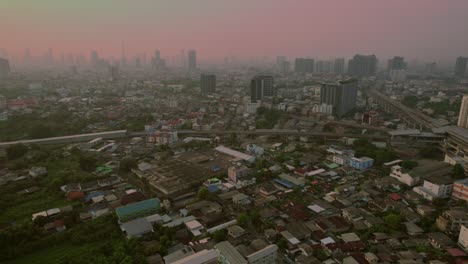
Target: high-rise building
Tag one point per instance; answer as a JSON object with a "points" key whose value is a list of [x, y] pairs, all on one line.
{"points": [[342, 96], [208, 83], [114, 72], [280, 60], [192, 60], [362, 65], [397, 63], [304, 65], [94, 58], [261, 86], [284, 67], [463, 116], [4, 68], [460, 66], [157, 62], [339, 66]]}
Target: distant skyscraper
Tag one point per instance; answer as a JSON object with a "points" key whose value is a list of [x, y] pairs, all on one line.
{"points": [[94, 58], [280, 60], [362, 65], [304, 65], [49, 57], [157, 62], [123, 56], [397, 63], [284, 67], [323, 66], [261, 86], [430, 68], [3, 53], [460, 66], [114, 72], [4, 68], [208, 83], [339, 66], [463, 115], [342, 96], [192, 60]]}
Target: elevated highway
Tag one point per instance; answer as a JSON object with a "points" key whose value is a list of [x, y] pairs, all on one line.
{"points": [[412, 117]]}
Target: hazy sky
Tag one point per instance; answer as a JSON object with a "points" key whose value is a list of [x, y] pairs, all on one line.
{"points": [[434, 29]]}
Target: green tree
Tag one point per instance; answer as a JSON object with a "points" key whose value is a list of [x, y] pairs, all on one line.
{"points": [[16, 151], [127, 164], [409, 164], [242, 220], [220, 235], [430, 152], [458, 171], [410, 101], [203, 193], [393, 220], [41, 131], [88, 162]]}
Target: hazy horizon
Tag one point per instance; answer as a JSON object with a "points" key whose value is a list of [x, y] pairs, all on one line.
{"points": [[429, 29]]}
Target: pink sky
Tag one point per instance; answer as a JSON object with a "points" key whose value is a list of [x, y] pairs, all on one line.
{"points": [[429, 29]]}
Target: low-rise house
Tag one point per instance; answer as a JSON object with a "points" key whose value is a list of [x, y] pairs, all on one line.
{"points": [[228, 254], [352, 214], [435, 187], [139, 209], [255, 150], [55, 226], [412, 229], [194, 227], [460, 190], [405, 176], [241, 199], [451, 221], [371, 221], [463, 237], [37, 172], [362, 163], [440, 240], [136, 228], [236, 231]]}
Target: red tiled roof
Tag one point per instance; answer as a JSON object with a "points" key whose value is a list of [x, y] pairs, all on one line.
{"points": [[74, 195], [395, 197], [456, 252]]}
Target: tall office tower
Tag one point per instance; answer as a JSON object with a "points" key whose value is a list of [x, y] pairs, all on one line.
{"points": [[208, 83], [319, 67], [3, 102], [339, 66], [430, 68], [4, 68], [114, 72], [49, 59], [304, 65], [460, 67], [279, 61], [341, 95], [192, 60], [261, 86], [94, 58], [397, 63], [124, 55], [284, 67], [3, 53], [138, 62], [463, 116], [362, 65], [27, 56], [157, 62]]}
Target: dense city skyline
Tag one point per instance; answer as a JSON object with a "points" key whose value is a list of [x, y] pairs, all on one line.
{"points": [[431, 30]]}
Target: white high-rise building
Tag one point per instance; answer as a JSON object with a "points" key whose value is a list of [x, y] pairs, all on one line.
{"points": [[463, 116]]}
